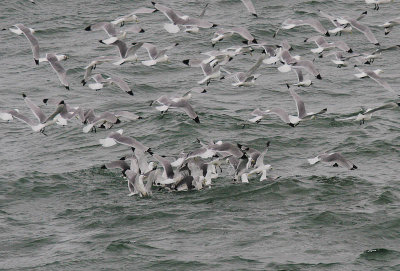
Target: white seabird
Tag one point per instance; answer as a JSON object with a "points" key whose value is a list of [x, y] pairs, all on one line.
{"points": [[250, 7], [180, 102], [126, 54], [389, 25], [100, 81], [374, 75], [335, 158], [58, 68], [28, 32], [284, 116], [178, 18], [155, 55], [246, 78], [117, 137], [291, 23], [131, 17]]}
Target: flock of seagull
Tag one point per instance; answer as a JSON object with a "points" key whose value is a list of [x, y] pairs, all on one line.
{"points": [[197, 169]]}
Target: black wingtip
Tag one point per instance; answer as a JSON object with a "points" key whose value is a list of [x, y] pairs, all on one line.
{"points": [[254, 41], [150, 151], [140, 118], [36, 61], [118, 121], [101, 41], [327, 34], [354, 167], [23, 95], [319, 77], [350, 50], [365, 12], [196, 119], [103, 167], [83, 82], [377, 44], [88, 28], [122, 158], [62, 102], [130, 92], [141, 30], [45, 101], [67, 87], [186, 62], [255, 15], [214, 25], [287, 85], [213, 45], [153, 3], [291, 125], [204, 91], [268, 143]]}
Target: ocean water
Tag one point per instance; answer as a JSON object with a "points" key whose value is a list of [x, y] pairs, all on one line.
{"points": [[60, 211]]}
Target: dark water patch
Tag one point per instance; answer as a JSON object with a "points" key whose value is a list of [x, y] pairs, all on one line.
{"points": [[385, 227], [380, 254], [386, 197], [137, 218], [335, 180], [303, 266], [330, 218], [119, 246], [177, 264]]}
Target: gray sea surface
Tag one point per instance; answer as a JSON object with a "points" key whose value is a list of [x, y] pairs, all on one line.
{"points": [[60, 211]]}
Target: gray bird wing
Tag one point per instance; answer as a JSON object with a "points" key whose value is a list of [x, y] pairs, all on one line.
{"points": [[282, 114], [337, 158], [33, 41], [365, 30], [250, 7], [151, 50], [123, 49], [21, 117], [379, 80], [35, 110], [121, 164], [301, 109], [120, 83], [385, 106], [127, 115], [255, 66], [185, 105], [129, 141], [166, 165], [58, 110], [56, 65], [133, 49]]}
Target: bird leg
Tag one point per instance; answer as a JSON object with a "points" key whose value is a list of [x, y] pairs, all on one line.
{"points": [[42, 131]]}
